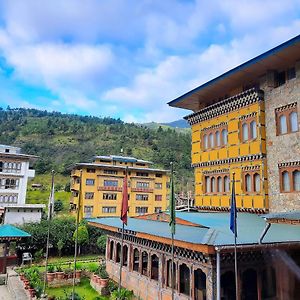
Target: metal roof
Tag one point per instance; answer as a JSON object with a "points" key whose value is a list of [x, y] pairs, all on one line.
{"points": [[123, 159], [9, 231], [276, 58], [290, 215], [217, 233]]}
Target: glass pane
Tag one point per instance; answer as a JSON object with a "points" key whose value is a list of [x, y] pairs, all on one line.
{"points": [[224, 136], [253, 130], [213, 184], [245, 132], [248, 183], [218, 139], [220, 184], [205, 141], [296, 179], [257, 182], [286, 181], [211, 140], [226, 184], [294, 121], [207, 184], [282, 124]]}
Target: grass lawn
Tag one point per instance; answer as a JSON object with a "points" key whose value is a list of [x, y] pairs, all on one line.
{"points": [[55, 260], [83, 289]]}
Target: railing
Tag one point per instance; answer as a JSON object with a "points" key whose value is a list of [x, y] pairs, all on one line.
{"points": [[110, 188], [142, 190]]}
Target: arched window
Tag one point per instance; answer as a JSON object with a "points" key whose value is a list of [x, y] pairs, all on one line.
{"points": [[154, 267], [205, 141], [224, 136], [282, 124], [118, 258], [256, 182], [218, 139], [136, 260], [293, 121], [253, 132], [207, 184], [219, 184], [145, 263], [169, 274], [296, 180], [211, 140], [286, 181], [184, 277], [213, 184], [125, 255], [200, 285], [111, 250], [226, 184], [248, 183], [245, 132]]}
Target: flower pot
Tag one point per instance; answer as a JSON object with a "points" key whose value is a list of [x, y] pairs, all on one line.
{"points": [[50, 277], [103, 282], [77, 274], [31, 292], [94, 278], [98, 279], [22, 277], [60, 275]]}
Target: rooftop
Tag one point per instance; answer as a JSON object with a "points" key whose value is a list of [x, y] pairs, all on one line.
{"points": [[122, 159], [277, 58], [9, 231]]}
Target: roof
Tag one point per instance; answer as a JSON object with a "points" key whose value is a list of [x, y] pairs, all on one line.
{"points": [[215, 231], [290, 215], [9, 231], [18, 155], [31, 206], [276, 58], [123, 159]]}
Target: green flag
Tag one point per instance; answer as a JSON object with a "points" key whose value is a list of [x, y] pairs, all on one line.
{"points": [[172, 206]]}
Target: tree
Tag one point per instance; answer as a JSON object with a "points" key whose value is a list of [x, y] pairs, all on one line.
{"points": [[101, 243], [58, 205], [60, 245], [83, 236]]}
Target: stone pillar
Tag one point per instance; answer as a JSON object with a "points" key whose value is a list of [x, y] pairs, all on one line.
{"points": [[211, 286]]}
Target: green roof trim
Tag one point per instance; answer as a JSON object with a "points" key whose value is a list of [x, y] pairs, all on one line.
{"points": [[9, 231]]}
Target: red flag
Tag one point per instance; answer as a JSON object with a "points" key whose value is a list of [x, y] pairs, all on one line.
{"points": [[124, 207]]}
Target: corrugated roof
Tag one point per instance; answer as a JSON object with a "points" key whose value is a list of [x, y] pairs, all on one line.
{"points": [[123, 159], [290, 215], [217, 233], [9, 231]]}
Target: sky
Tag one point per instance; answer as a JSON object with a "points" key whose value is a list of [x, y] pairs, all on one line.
{"points": [[128, 58]]}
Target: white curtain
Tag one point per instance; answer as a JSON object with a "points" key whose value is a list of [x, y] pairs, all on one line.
{"points": [[294, 121], [282, 124], [253, 130], [296, 180], [286, 181]]}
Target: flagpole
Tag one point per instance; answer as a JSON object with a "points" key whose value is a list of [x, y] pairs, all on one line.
{"points": [[76, 235], [50, 208], [121, 262], [172, 230], [235, 236]]}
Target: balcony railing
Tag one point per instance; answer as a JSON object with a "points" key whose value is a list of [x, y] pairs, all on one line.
{"points": [[110, 188], [142, 190]]}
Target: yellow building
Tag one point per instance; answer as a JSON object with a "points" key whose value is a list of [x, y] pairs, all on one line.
{"points": [[102, 182]]}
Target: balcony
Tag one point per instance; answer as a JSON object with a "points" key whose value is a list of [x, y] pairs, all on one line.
{"points": [[110, 188], [142, 190]]}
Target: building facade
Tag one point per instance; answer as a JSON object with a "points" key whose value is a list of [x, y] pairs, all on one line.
{"points": [[14, 175], [102, 184], [246, 122]]}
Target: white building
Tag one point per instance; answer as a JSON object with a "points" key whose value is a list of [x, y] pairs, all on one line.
{"points": [[14, 175]]}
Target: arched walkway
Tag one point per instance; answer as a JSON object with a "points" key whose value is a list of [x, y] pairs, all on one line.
{"points": [[228, 286], [249, 285], [200, 285]]}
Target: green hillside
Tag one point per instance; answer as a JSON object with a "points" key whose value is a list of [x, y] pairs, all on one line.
{"points": [[63, 139]]}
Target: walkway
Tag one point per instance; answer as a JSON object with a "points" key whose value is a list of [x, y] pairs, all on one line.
{"points": [[4, 293], [15, 287]]}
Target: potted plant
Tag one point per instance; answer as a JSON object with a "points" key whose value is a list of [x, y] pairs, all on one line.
{"points": [[78, 271], [103, 276], [50, 273], [59, 273]]}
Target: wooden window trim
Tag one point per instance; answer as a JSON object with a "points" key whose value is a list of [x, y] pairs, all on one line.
{"points": [[210, 177], [290, 171], [252, 174], [286, 113], [248, 122], [213, 132]]}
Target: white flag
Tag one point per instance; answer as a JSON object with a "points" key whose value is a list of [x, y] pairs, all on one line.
{"points": [[51, 199]]}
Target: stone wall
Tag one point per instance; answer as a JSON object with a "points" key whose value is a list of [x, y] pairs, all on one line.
{"points": [[281, 148]]}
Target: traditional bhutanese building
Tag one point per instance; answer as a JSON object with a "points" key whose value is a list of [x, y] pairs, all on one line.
{"points": [[102, 184]]}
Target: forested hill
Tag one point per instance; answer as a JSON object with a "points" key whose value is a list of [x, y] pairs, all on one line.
{"points": [[63, 139]]}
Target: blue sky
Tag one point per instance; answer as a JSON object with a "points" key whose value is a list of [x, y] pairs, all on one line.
{"points": [[129, 58]]}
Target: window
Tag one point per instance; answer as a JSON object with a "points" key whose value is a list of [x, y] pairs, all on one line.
{"points": [[89, 195], [218, 139], [213, 184], [88, 211], [158, 197], [248, 183], [224, 137], [145, 263], [207, 184], [226, 184], [136, 260], [290, 179], [158, 186], [141, 210], [9, 183], [142, 197], [110, 172], [90, 170], [211, 140], [251, 182], [109, 196], [205, 141], [111, 250], [184, 279], [216, 184], [111, 183], [159, 175], [287, 119], [154, 267], [142, 185], [245, 132], [125, 255], [253, 133], [109, 209], [256, 182], [157, 209], [282, 76], [90, 181], [248, 129], [219, 184], [142, 174]]}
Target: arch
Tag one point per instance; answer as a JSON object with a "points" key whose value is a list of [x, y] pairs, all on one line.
{"points": [[226, 184], [154, 267], [253, 131], [184, 279], [207, 184], [200, 285], [213, 184], [211, 140], [248, 183], [224, 136], [118, 256], [268, 277], [7, 183], [296, 180], [249, 285], [228, 285], [219, 184], [286, 187], [145, 263], [125, 255], [169, 274], [256, 180], [136, 260], [218, 138], [245, 133], [293, 121], [282, 124], [205, 141], [111, 250]]}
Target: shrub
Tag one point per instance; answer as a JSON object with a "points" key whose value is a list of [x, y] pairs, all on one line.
{"points": [[123, 294], [51, 269]]}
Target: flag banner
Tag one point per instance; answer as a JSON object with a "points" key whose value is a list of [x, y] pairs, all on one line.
{"points": [[51, 199], [124, 206], [172, 206], [233, 211]]}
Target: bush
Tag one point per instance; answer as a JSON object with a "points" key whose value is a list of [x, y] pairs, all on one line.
{"points": [[123, 294], [58, 205], [101, 243]]}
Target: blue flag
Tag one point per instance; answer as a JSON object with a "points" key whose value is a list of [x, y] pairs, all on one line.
{"points": [[233, 211]]}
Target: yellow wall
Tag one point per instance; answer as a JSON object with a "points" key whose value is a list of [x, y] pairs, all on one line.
{"points": [[235, 148], [98, 189]]}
